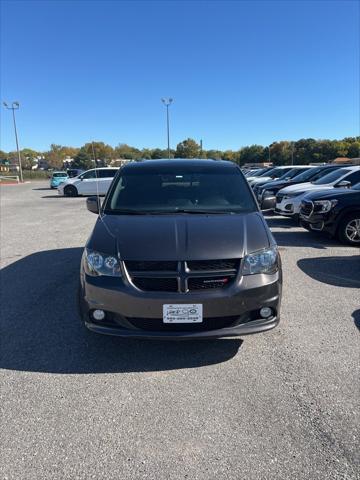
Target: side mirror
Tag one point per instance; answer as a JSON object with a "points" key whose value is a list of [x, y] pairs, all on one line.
{"points": [[343, 184], [93, 204]]}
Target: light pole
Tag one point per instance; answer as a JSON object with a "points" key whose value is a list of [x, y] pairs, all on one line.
{"points": [[269, 153], [15, 106], [167, 102]]}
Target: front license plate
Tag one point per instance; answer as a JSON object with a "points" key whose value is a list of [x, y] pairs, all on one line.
{"points": [[184, 313]]}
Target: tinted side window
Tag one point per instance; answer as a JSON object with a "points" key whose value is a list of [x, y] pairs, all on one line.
{"points": [[353, 178], [89, 175], [110, 173]]}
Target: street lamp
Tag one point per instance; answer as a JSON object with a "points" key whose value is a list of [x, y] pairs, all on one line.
{"points": [[15, 106], [167, 102], [269, 154]]}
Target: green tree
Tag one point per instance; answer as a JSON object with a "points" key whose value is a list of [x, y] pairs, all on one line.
{"points": [[99, 151], [214, 154], [252, 154], [158, 153], [126, 151], [55, 156], [188, 148], [82, 160], [28, 158]]}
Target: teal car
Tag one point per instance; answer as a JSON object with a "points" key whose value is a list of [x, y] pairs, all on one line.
{"points": [[57, 178]]}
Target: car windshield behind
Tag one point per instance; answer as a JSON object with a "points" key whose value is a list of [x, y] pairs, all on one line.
{"points": [[257, 173], [59, 174], [181, 189], [294, 172], [332, 177]]}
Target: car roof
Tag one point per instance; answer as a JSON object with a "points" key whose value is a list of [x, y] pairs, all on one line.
{"points": [[103, 168], [178, 163]]}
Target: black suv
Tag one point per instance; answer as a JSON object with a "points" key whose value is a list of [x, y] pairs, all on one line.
{"points": [[266, 193], [335, 211]]}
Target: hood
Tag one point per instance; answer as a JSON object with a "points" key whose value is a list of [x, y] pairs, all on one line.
{"points": [[331, 193], [181, 237], [70, 180], [301, 187]]}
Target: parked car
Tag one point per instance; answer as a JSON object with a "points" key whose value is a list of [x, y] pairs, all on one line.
{"points": [[288, 200], [74, 172], [92, 182], [57, 178], [266, 193], [251, 175], [273, 174], [335, 212], [180, 250]]}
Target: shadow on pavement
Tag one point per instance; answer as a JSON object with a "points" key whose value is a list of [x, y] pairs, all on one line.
{"points": [[356, 317], [42, 188], [280, 222], [337, 271], [44, 333]]}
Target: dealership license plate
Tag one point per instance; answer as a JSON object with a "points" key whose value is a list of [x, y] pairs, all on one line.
{"points": [[184, 313]]}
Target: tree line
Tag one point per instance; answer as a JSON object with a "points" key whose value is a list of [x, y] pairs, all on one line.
{"points": [[304, 151]]}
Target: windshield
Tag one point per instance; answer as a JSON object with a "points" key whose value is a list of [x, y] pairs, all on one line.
{"points": [[332, 177], [256, 173], [59, 174], [294, 172], [267, 172], [153, 191], [278, 172]]}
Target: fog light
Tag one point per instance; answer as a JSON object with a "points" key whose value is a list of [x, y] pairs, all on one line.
{"points": [[98, 315], [266, 312]]}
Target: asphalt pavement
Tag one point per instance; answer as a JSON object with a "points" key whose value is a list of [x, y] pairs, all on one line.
{"points": [[76, 405]]}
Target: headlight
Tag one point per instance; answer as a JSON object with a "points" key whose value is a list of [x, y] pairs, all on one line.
{"points": [[269, 193], [97, 263], [263, 261], [323, 206]]}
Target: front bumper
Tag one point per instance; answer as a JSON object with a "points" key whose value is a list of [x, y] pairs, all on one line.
{"points": [[128, 307], [318, 222], [268, 203], [288, 207]]}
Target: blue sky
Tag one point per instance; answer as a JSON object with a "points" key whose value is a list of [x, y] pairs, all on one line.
{"points": [[241, 72]]}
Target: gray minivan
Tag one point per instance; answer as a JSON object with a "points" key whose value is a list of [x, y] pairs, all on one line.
{"points": [[179, 250]]}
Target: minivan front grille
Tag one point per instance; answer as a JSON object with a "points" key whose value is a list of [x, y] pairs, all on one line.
{"points": [[196, 265], [182, 276], [156, 284], [145, 266]]}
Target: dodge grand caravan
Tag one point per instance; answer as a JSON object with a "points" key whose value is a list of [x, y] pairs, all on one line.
{"points": [[179, 250]]}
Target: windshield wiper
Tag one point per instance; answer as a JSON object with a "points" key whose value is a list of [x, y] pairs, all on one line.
{"points": [[123, 211], [198, 211]]}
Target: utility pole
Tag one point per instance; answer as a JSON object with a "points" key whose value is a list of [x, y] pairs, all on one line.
{"points": [[167, 102], [15, 106]]}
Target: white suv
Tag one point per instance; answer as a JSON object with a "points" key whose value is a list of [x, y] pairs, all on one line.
{"points": [[288, 199], [91, 182]]}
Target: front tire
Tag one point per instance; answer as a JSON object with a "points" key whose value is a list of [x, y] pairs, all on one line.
{"points": [[70, 191], [349, 229]]}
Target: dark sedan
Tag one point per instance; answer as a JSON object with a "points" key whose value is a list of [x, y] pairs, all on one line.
{"points": [[335, 211]]}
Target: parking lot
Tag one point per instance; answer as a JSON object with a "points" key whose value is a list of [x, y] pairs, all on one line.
{"points": [[278, 405]]}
